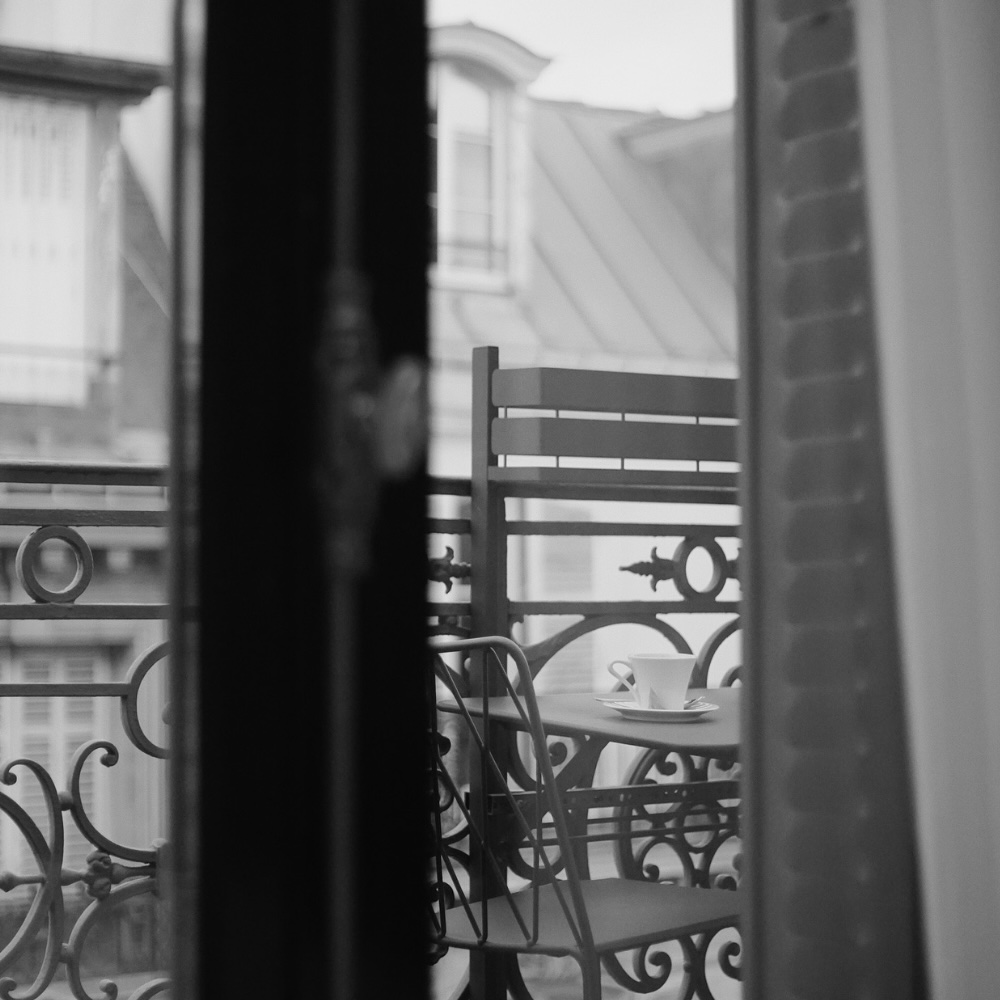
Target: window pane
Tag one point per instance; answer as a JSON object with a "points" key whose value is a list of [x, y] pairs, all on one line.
{"points": [[480, 258], [468, 181], [472, 229], [468, 106], [472, 172]]}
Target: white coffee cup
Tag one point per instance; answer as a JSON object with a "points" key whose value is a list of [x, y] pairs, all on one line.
{"points": [[661, 679]]}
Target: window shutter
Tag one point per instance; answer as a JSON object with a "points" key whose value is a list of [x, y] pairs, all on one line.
{"points": [[50, 730], [43, 229], [80, 727], [829, 849]]}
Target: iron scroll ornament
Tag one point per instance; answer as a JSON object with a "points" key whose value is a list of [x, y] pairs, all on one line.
{"points": [[444, 569], [105, 879]]}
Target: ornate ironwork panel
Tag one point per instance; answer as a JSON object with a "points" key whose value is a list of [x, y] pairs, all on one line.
{"points": [[81, 847], [666, 817]]}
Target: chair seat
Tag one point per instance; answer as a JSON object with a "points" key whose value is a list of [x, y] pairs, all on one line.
{"points": [[623, 914]]}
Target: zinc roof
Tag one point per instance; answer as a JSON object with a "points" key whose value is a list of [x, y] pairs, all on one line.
{"points": [[629, 254]]}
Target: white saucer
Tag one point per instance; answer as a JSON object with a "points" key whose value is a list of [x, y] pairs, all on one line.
{"points": [[630, 710]]}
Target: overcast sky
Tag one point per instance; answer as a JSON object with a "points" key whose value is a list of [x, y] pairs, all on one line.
{"points": [[676, 56]]}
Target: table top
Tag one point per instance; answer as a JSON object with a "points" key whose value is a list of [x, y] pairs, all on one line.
{"points": [[714, 734]]}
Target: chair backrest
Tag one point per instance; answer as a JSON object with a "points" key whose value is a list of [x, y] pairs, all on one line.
{"points": [[552, 421], [487, 864]]}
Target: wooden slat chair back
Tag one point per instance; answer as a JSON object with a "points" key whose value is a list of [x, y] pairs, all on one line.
{"points": [[534, 424], [559, 913]]}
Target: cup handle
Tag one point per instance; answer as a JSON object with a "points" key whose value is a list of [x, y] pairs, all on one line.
{"points": [[626, 679]]}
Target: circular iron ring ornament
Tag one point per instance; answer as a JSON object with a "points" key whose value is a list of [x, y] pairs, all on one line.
{"points": [[24, 564], [720, 568]]}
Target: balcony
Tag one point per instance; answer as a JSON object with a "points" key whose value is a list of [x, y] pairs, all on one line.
{"points": [[83, 709], [83, 693], [587, 581]]}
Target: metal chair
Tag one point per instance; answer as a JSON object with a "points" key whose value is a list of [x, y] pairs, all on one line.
{"points": [[557, 913]]}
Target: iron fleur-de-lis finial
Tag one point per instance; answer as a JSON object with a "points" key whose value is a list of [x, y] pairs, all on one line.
{"points": [[657, 568], [444, 570]]}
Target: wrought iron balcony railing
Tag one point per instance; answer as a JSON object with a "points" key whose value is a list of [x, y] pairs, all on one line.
{"points": [[82, 803], [582, 575], [82, 610], [598, 552]]}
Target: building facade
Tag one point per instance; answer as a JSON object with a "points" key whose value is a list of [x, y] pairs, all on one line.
{"points": [[84, 357]]}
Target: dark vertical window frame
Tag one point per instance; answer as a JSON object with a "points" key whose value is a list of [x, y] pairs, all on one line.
{"points": [[181, 886], [262, 670], [829, 830], [381, 252], [269, 790]]}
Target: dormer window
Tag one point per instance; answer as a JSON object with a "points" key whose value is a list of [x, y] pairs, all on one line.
{"points": [[468, 130], [477, 129]]}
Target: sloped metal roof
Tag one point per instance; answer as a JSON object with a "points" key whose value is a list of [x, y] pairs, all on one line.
{"points": [[608, 236], [629, 253]]}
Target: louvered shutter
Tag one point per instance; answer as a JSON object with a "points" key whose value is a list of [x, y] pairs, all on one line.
{"points": [[79, 724], [43, 233]]}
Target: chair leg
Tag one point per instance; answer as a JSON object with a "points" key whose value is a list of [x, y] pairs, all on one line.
{"points": [[590, 967]]}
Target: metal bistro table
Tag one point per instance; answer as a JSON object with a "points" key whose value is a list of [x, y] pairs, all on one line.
{"points": [[680, 797], [584, 716]]}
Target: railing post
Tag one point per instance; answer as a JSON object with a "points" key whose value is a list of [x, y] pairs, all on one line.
{"points": [[489, 617], [489, 537]]}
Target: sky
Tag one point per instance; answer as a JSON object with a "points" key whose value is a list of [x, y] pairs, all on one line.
{"points": [[674, 56]]}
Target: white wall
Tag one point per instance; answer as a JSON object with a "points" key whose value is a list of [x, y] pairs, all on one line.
{"points": [[930, 77]]}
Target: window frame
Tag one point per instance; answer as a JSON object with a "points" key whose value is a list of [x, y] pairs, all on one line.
{"points": [[497, 275]]}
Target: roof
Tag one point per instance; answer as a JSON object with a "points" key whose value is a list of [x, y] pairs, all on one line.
{"points": [[471, 42], [631, 250], [72, 76], [695, 160], [611, 247]]}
